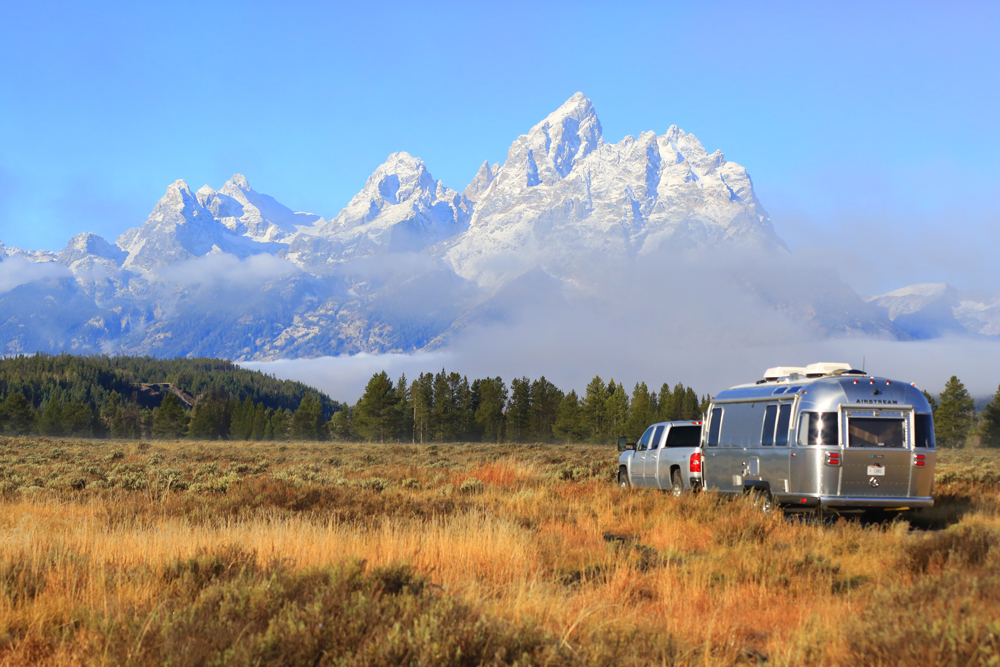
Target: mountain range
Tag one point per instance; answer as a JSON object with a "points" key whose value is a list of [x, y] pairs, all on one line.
{"points": [[409, 263]]}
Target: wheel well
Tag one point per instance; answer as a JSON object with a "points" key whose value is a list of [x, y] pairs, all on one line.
{"points": [[750, 487], [675, 468]]}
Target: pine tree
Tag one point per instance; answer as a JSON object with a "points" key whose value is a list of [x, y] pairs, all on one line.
{"points": [[78, 419], [519, 410], [169, 420], [955, 414], [51, 423], [376, 413], [545, 401], [692, 407], [307, 421], [490, 413], [594, 409], [259, 423], [569, 425], [617, 412], [341, 426], [404, 412], [665, 404], [989, 431], [930, 399], [422, 395], [19, 417], [212, 418], [642, 412]]}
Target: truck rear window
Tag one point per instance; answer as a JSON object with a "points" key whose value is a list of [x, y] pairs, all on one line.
{"points": [[684, 436]]}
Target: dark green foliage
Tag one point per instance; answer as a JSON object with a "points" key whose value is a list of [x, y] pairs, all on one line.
{"points": [[569, 425], [212, 418], [545, 401], [643, 412], [376, 414], [16, 415], [169, 420], [990, 429], [307, 422], [519, 410], [954, 416], [489, 415]]}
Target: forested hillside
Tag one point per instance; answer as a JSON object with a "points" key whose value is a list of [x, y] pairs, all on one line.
{"points": [[122, 396]]}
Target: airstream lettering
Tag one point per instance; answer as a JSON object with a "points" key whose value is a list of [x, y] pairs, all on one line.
{"points": [[826, 436]]}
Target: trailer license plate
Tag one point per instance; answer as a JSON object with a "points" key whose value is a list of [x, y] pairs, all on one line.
{"points": [[876, 470]]}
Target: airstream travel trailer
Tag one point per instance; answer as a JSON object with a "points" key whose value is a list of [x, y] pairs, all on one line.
{"points": [[822, 436]]}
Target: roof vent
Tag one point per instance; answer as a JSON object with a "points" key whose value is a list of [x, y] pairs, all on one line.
{"points": [[783, 371], [826, 368]]}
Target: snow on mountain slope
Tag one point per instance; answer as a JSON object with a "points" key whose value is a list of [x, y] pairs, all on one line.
{"points": [[928, 310], [564, 198], [244, 211], [180, 227], [400, 209], [478, 185]]}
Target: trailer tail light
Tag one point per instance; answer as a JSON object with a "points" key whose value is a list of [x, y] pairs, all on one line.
{"points": [[833, 458], [920, 460], [695, 464]]}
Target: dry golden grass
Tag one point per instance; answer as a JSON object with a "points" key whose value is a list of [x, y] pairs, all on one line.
{"points": [[218, 553]]}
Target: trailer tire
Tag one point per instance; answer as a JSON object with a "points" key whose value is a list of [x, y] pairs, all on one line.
{"points": [[676, 485], [623, 482]]}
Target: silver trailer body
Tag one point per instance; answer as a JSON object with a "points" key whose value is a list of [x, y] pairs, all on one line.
{"points": [[662, 459], [840, 440]]}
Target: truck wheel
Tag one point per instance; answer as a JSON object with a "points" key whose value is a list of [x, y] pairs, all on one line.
{"points": [[762, 500], [623, 478], [676, 485]]}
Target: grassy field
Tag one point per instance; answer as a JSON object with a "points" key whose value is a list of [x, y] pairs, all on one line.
{"points": [[319, 553]]}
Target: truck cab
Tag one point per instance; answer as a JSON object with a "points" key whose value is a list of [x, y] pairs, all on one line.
{"points": [[667, 456]]}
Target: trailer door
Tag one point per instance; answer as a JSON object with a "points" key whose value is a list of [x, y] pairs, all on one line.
{"points": [[877, 453]]}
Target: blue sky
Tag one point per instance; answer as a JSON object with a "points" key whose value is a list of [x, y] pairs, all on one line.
{"points": [[870, 129]]}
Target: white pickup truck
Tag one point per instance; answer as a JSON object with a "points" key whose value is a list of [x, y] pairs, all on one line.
{"points": [[667, 456]]}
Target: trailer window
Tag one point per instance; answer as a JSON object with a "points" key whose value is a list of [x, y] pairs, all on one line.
{"points": [[784, 416], [684, 436], [714, 427], [770, 415], [818, 428], [875, 433], [655, 442], [924, 427]]}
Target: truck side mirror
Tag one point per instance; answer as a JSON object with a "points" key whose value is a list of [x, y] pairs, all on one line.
{"points": [[623, 445]]}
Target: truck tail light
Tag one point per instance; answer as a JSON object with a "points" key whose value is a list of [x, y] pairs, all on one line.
{"points": [[695, 465], [833, 458], [920, 460]]}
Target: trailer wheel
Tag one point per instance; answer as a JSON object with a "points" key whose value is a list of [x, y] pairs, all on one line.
{"points": [[623, 482], [676, 485]]}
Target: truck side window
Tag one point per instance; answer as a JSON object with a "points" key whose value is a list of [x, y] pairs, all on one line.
{"points": [[644, 440], [655, 442], [784, 416], [767, 437], [715, 427]]}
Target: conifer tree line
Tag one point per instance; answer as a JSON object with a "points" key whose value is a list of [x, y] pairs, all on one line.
{"points": [[956, 423], [446, 407], [127, 397]]}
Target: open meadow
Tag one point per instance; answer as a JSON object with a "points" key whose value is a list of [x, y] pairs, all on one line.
{"points": [[192, 553]]}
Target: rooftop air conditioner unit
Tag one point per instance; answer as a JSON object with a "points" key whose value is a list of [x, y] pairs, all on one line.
{"points": [[826, 368]]}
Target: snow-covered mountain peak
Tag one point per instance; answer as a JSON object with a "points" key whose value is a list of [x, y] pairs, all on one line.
{"points": [[237, 182], [553, 147], [929, 290], [89, 244], [479, 184]]}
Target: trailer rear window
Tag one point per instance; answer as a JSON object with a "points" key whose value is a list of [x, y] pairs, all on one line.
{"points": [[924, 427], [818, 428], [863, 432], [684, 436]]}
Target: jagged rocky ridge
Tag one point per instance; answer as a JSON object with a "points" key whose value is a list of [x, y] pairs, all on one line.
{"points": [[409, 262]]}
